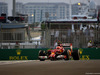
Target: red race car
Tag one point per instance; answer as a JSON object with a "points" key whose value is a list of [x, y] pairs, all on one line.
{"points": [[60, 52]]}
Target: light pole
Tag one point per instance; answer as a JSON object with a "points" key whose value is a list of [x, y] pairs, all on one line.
{"points": [[14, 8], [79, 8], [41, 16], [34, 15], [70, 8]]}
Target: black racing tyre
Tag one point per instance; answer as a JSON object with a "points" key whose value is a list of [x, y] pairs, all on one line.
{"points": [[66, 52], [42, 59], [76, 54], [42, 53]]}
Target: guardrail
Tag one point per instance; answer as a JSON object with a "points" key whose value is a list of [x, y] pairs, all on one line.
{"points": [[25, 45]]}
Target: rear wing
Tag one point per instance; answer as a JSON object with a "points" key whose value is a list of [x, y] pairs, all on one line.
{"points": [[67, 45]]}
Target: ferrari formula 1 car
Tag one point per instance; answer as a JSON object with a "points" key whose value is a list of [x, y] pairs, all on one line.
{"points": [[60, 52]]}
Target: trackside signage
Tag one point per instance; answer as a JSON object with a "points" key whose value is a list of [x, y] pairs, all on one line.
{"points": [[32, 54], [18, 56], [83, 56]]}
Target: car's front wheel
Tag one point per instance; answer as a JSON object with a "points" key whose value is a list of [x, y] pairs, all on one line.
{"points": [[66, 55]]}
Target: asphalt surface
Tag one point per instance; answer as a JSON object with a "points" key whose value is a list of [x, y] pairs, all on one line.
{"points": [[71, 67]]}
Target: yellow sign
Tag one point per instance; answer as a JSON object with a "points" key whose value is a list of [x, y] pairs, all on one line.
{"points": [[80, 50], [84, 57], [18, 58], [18, 52]]}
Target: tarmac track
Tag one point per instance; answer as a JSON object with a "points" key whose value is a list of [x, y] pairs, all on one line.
{"points": [[71, 67]]}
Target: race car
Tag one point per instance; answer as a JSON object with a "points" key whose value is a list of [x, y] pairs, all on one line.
{"points": [[60, 52]]}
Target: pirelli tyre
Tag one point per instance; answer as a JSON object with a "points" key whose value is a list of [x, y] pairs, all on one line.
{"points": [[42, 59], [76, 54], [66, 53], [42, 53]]}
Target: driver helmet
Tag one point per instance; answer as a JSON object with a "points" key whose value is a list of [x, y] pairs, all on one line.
{"points": [[61, 45], [58, 47]]}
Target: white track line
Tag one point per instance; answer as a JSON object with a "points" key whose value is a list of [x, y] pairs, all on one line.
{"points": [[13, 62]]}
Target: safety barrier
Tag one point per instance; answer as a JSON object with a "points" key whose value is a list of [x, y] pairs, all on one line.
{"points": [[32, 54]]}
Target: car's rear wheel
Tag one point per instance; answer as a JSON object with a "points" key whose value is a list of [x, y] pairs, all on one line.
{"points": [[42, 53], [42, 59], [66, 54], [76, 54]]}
